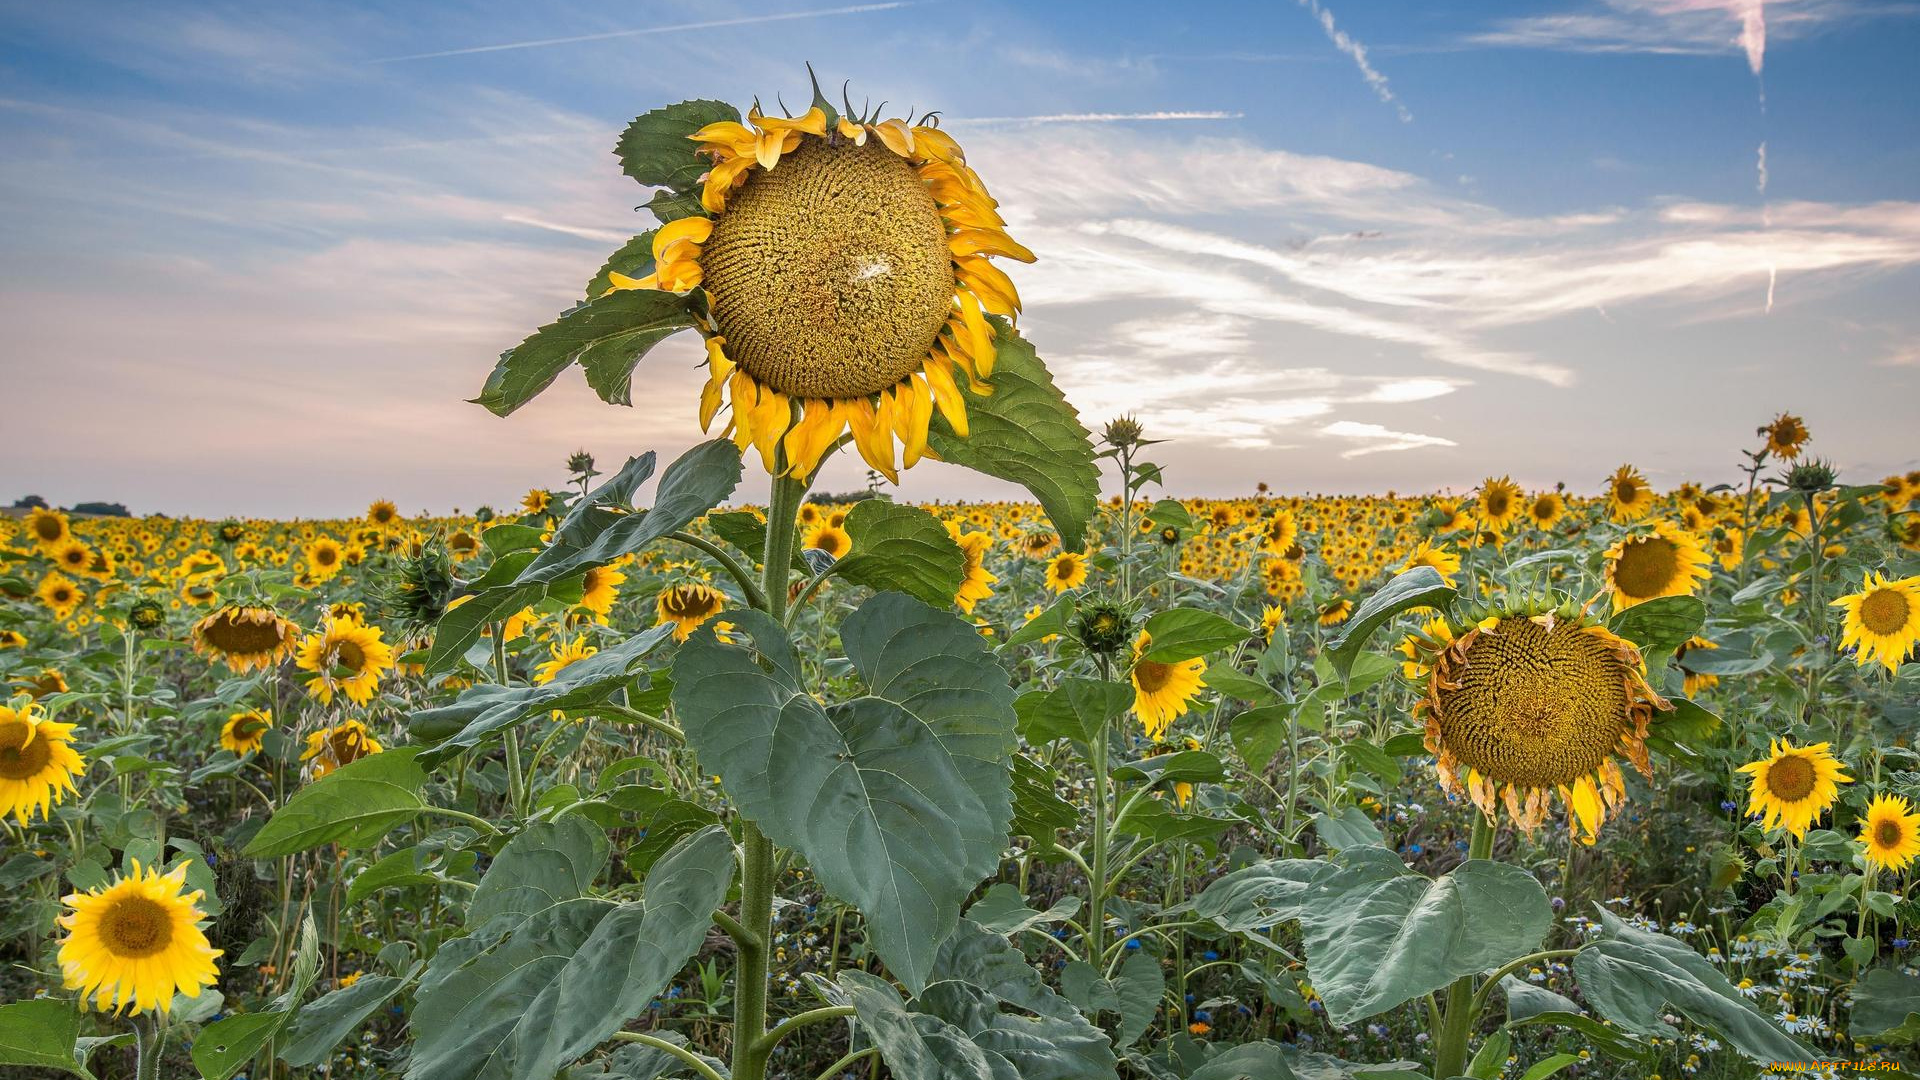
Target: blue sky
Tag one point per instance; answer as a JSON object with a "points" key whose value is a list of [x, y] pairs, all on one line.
{"points": [[258, 255]]}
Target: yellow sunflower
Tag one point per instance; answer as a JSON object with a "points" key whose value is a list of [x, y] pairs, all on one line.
{"points": [[563, 653], [346, 657], [1067, 570], [1883, 620], [1890, 832], [325, 557], [977, 583], [599, 589], [1785, 435], [1419, 647], [1628, 496], [1436, 556], [342, 744], [245, 638], [846, 267], [1271, 617], [1522, 706], [1335, 611], [137, 942], [38, 764], [71, 555], [1162, 692], [246, 732], [1794, 785], [535, 502], [687, 606], [1667, 561], [382, 513], [60, 593], [1546, 509], [825, 536], [1497, 504], [48, 528]]}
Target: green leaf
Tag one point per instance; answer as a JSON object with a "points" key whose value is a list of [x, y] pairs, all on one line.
{"points": [[1026, 432], [1184, 633], [1043, 1046], [1886, 1007], [1662, 624], [1185, 766], [543, 865], [1138, 986], [607, 336], [1260, 896], [656, 148], [1420, 587], [325, 1022], [485, 710], [1078, 709], [224, 1047], [915, 1046], [628, 959], [1224, 678], [1378, 934], [1039, 813], [395, 869], [1171, 512], [1003, 910], [899, 799], [1633, 977], [353, 806], [1491, 1061], [41, 1033], [902, 548], [1259, 734], [605, 526], [1525, 1000], [1056, 619], [1352, 828], [634, 259], [1547, 1066], [974, 954], [1248, 1061]]}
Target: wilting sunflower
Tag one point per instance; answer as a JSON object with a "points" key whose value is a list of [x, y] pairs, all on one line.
{"points": [[1668, 561], [1546, 509], [245, 638], [1794, 785], [1883, 620], [47, 527], [1067, 570], [1162, 692], [599, 589], [60, 593], [246, 732], [977, 582], [325, 557], [342, 744], [563, 653], [137, 942], [1785, 435], [1890, 832], [37, 761], [825, 536], [845, 266], [1521, 706], [1436, 556], [1497, 503], [346, 657], [1036, 545], [687, 606], [1628, 496]]}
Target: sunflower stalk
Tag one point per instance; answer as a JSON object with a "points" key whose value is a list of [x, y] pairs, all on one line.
{"points": [[1457, 1018]]}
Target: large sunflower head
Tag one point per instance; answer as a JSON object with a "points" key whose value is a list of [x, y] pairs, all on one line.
{"points": [[1162, 691], [1663, 561], [345, 656], [844, 262], [1883, 620], [245, 637], [137, 942], [1794, 785], [1523, 704], [37, 761], [47, 528], [1497, 503]]}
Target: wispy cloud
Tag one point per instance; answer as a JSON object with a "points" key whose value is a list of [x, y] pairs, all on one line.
{"points": [[1696, 27], [644, 31], [1092, 118], [1376, 439], [1358, 53]]}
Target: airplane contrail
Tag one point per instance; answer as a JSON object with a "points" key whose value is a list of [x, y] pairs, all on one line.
{"points": [[746, 20]]}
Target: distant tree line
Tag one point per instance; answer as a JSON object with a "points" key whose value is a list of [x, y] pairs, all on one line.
{"points": [[97, 509]]}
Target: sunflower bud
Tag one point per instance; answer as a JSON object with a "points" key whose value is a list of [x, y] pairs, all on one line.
{"points": [[146, 615], [1811, 477], [580, 464], [422, 588], [1122, 433], [1103, 627]]}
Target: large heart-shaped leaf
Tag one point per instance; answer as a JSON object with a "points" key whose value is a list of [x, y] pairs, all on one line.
{"points": [[898, 799], [1634, 977], [1183, 633], [1420, 587], [40, 1034], [1886, 1007], [902, 548], [655, 149], [353, 806], [607, 336], [1378, 934], [544, 864], [1078, 709], [325, 1022], [1026, 432]]}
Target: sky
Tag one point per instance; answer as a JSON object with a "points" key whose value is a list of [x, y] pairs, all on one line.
{"points": [[258, 256]]}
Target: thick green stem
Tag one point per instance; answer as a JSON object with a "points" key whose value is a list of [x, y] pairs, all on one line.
{"points": [[516, 790], [1097, 872], [751, 1047], [1457, 1019], [149, 1042]]}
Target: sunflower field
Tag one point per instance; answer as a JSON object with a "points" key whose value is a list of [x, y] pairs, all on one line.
{"points": [[735, 780]]}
